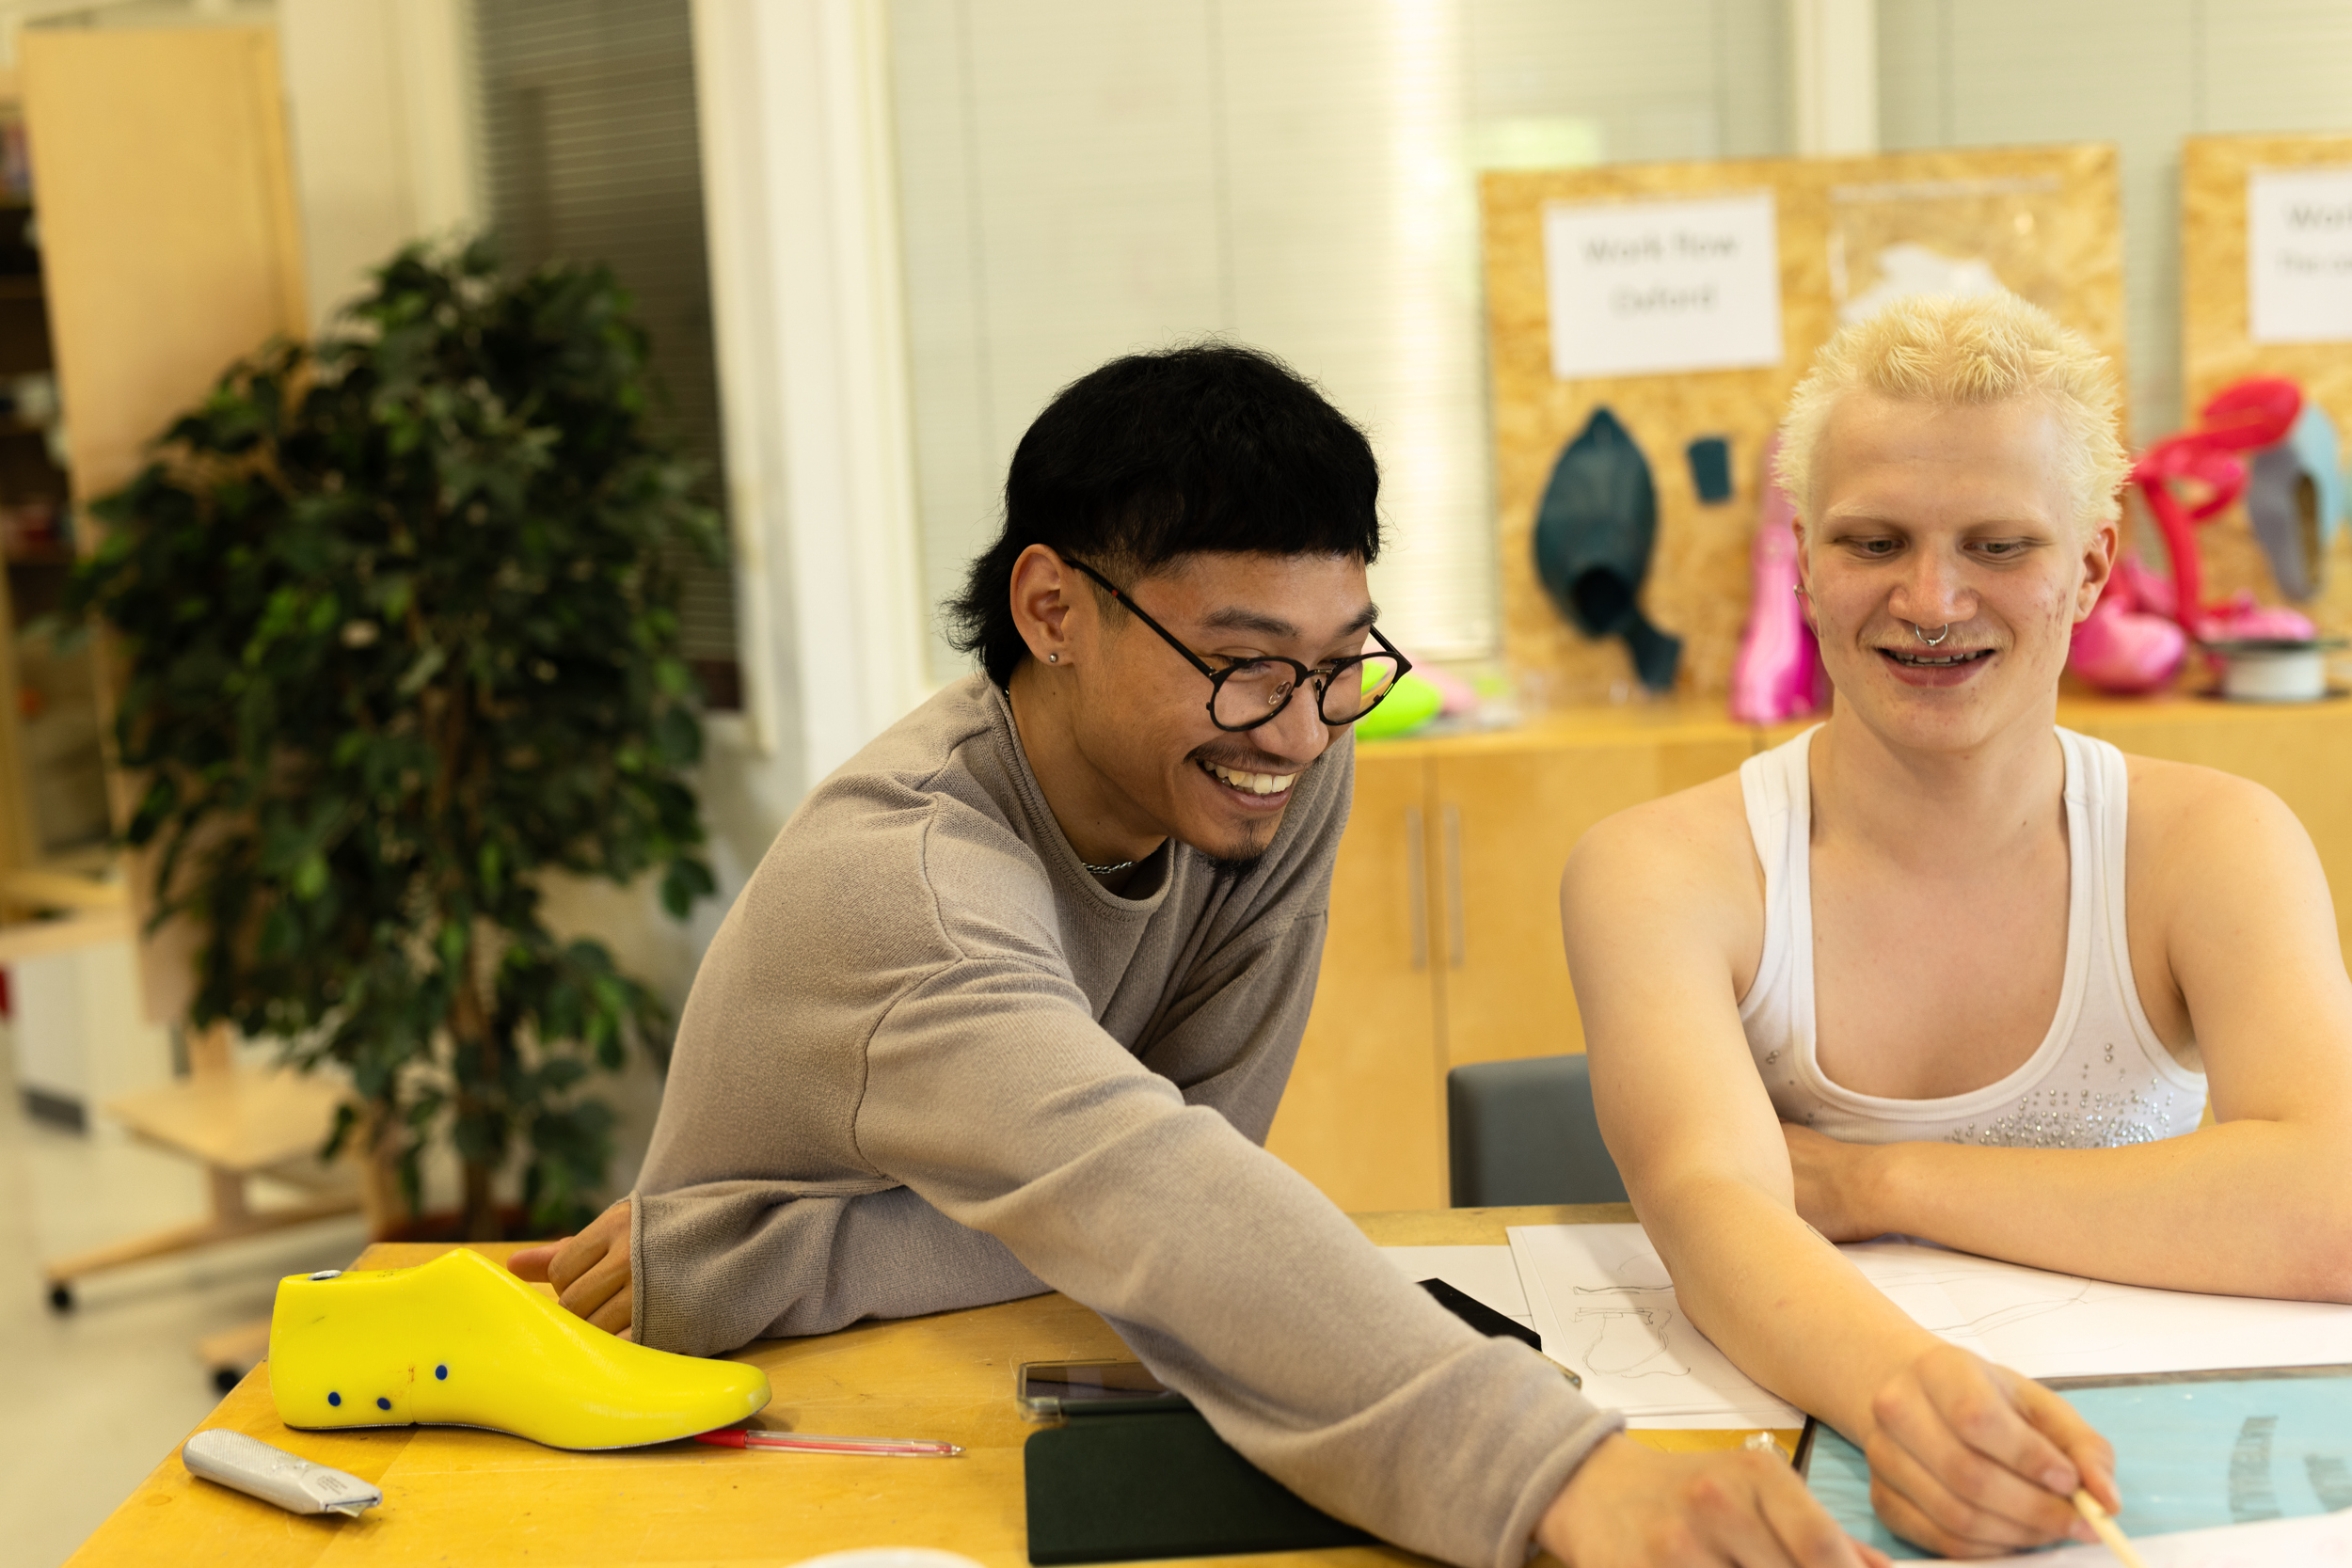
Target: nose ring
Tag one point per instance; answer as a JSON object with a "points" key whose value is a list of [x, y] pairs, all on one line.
{"points": [[1937, 640]]}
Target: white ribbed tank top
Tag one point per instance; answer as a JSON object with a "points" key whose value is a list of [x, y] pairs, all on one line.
{"points": [[2101, 1077]]}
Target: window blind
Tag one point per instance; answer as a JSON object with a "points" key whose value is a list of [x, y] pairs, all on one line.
{"points": [[590, 154]]}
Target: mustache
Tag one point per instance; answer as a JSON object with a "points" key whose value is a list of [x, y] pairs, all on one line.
{"points": [[1256, 762]]}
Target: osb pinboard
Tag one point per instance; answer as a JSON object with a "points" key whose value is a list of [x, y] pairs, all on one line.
{"points": [[2215, 349], [2046, 219]]}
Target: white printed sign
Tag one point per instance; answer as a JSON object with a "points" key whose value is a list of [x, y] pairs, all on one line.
{"points": [[1644, 288], [2299, 255]]}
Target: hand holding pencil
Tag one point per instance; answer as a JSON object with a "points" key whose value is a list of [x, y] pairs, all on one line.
{"points": [[1969, 1459], [2103, 1523]]}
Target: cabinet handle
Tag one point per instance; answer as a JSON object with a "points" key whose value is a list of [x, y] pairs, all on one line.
{"points": [[1416, 886], [1455, 939]]}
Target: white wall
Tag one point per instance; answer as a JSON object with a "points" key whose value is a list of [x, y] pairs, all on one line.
{"points": [[797, 180], [1080, 179], [2140, 73], [379, 109]]}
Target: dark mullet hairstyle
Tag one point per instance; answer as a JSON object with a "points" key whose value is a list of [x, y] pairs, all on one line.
{"points": [[1209, 447]]}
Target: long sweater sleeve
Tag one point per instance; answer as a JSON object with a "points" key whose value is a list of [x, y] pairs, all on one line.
{"points": [[928, 1062], [1233, 1279]]}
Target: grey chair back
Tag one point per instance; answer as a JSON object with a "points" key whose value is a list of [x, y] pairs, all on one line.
{"points": [[1524, 1132]]}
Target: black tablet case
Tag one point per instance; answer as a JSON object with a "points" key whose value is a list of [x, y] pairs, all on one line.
{"points": [[1129, 1483], [1140, 1479]]}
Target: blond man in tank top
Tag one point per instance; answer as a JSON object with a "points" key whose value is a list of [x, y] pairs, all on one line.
{"points": [[1941, 968]]}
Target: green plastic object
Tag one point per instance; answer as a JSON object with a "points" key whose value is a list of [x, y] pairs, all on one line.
{"points": [[1412, 703]]}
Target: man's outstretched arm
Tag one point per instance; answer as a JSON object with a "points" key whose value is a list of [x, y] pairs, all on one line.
{"points": [[2228, 898], [1347, 1424]]}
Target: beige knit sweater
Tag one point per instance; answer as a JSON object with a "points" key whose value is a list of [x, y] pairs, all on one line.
{"points": [[929, 1063]]}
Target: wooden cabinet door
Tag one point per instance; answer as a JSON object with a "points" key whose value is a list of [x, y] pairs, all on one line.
{"points": [[1505, 817], [170, 247], [1364, 1116]]}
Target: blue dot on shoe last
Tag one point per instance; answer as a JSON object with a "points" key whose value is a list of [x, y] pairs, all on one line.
{"points": [[334, 1398], [441, 1373], [383, 1403]]}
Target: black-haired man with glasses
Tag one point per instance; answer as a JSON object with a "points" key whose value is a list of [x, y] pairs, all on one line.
{"points": [[1010, 1002]]}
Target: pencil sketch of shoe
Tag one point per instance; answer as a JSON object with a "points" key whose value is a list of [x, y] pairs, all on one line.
{"points": [[1634, 1332], [1979, 1306]]}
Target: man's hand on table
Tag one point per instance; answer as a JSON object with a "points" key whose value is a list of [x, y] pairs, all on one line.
{"points": [[1836, 1183], [1629, 1507], [1967, 1458], [590, 1271], [1972, 1460]]}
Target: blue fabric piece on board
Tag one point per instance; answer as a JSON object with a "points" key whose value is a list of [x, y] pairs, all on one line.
{"points": [[1595, 528], [2188, 1455], [1710, 468], [2295, 500]]}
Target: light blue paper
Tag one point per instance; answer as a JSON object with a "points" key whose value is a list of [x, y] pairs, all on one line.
{"points": [[2190, 1454]]}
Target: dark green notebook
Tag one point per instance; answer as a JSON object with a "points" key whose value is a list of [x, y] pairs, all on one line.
{"points": [[1116, 1485]]}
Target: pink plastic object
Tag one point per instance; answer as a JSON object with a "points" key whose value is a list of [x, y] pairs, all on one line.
{"points": [[2238, 618], [2131, 643], [2127, 651], [2241, 418], [1777, 673]]}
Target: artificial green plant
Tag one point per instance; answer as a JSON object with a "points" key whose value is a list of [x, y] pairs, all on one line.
{"points": [[399, 634]]}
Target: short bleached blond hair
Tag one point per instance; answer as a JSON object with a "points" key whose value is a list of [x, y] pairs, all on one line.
{"points": [[1968, 352]]}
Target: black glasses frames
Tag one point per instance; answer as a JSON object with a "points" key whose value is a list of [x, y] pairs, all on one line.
{"points": [[1248, 694]]}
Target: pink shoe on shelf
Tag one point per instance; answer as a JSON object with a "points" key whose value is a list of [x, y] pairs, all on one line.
{"points": [[2125, 651], [2240, 619], [1777, 673]]}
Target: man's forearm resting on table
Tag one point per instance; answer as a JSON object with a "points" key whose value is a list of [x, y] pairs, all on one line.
{"points": [[1774, 1292], [2243, 1208], [716, 1268]]}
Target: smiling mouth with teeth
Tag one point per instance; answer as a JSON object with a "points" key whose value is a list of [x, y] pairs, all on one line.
{"points": [[1936, 661], [1250, 784]]}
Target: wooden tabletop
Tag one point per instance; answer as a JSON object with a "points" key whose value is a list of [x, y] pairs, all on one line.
{"points": [[454, 1494]]}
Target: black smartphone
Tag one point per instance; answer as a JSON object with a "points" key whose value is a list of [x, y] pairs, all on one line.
{"points": [[1480, 1316], [1046, 1389]]}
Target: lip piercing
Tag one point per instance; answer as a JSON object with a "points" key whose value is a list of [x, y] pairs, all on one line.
{"points": [[1941, 632]]}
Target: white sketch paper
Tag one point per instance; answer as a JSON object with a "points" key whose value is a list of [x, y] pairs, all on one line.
{"points": [[2063, 1326], [1485, 1274], [1603, 1303], [1607, 1311]]}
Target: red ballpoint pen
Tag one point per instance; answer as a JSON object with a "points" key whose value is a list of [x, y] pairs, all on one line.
{"points": [[812, 1442]]}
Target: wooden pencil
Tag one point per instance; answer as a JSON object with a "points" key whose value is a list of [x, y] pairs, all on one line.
{"points": [[2108, 1531]]}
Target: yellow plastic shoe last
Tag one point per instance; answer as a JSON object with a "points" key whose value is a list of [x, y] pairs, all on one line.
{"points": [[459, 1341]]}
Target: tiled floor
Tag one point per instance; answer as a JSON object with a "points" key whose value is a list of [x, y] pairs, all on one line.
{"points": [[92, 1400]]}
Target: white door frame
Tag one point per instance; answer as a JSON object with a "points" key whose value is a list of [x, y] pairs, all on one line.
{"points": [[800, 187]]}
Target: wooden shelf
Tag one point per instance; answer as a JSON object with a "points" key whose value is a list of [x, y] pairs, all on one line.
{"points": [[243, 1121]]}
